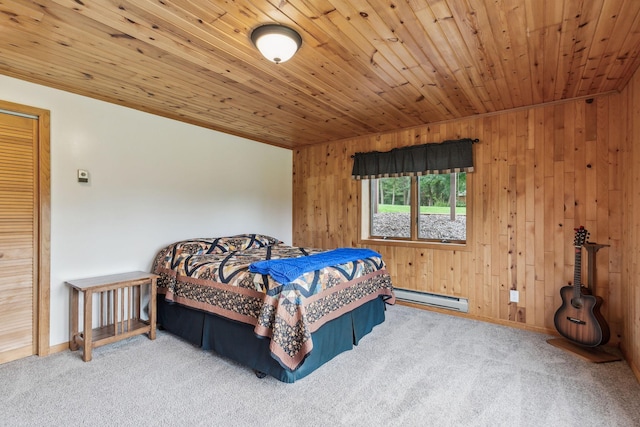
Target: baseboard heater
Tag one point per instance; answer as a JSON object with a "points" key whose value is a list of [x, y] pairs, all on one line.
{"points": [[434, 300]]}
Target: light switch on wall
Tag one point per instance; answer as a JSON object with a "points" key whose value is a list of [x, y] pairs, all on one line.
{"points": [[83, 175]]}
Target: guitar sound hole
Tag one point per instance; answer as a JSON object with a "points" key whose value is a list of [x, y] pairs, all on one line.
{"points": [[576, 303]]}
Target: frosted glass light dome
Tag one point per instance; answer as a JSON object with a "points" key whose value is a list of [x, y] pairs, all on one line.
{"points": [[276, 42]]}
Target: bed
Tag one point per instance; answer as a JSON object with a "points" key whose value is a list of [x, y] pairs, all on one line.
{"points": [[222, 294]]}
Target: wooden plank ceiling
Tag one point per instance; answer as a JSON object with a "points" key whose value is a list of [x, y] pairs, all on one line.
{"points": [[365, 66]]}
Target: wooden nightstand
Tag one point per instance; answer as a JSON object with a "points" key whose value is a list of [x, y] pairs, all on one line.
{"points": [[118, 310]]}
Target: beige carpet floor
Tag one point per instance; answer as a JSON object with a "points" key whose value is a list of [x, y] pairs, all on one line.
{"points": [[419, 368]]}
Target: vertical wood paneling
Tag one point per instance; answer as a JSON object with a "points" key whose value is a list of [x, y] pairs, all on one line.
{"points": [[629, 288], [539, 172]]}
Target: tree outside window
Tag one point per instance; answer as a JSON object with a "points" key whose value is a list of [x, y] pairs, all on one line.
{"points": [[440, 200]]}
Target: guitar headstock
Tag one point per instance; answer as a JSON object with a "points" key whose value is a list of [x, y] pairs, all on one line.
{"points": [[581, 236]]}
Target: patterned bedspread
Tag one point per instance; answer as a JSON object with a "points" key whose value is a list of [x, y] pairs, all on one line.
{"points": [[213, 275]]}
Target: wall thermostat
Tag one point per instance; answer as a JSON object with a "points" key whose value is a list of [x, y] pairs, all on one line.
{"points": [[83, 175]]}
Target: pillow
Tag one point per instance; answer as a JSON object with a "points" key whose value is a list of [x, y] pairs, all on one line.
{"points": [[243, 242], [197, 247], [172, 256]]}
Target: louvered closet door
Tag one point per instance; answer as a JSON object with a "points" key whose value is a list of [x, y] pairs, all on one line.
{"points": [[18, 221]]}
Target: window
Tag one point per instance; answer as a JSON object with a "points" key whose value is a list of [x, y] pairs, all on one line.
{"points": [[393, 205], [416, 193]]}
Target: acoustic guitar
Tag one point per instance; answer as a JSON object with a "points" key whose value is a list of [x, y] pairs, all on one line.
{"points": [[579, 318]]}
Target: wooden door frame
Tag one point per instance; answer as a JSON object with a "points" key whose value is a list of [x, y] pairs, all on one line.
{"points": [[42, 275]]}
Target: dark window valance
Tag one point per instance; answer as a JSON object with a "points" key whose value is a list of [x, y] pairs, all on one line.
{"points": [[445, 157]]}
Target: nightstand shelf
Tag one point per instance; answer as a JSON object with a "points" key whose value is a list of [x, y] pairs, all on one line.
{"points": [[118, 310]]}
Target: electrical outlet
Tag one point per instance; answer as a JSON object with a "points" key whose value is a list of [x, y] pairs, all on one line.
{"points": [[514, 296]]}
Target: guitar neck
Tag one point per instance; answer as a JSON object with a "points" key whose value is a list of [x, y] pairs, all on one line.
{"points": [[577, 272]]}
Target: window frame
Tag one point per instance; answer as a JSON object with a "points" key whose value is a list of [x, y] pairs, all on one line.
{"points": [[366, 218]]}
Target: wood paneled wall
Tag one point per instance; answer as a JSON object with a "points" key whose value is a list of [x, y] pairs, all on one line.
{"points": [[631, 225], [539, 172]]}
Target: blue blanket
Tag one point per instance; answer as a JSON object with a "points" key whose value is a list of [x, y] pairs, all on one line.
{"points": [[288, 269]]}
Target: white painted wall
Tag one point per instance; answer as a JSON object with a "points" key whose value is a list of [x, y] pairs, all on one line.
{"points": [[152, 181]]}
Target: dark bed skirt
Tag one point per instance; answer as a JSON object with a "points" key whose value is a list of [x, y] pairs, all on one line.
{"points": [[238, 342]]}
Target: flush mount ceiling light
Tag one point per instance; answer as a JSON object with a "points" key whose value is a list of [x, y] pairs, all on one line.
{"points": [[276, 42]]}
